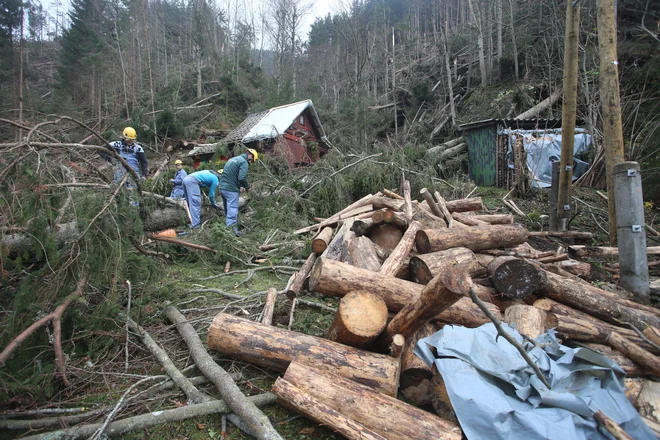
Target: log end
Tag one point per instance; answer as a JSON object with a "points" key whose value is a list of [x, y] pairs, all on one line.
{"points": [[363, 313], [422, 242], [419, 271]]}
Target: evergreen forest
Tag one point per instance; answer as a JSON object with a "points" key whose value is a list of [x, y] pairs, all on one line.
{"points": [[390, 80]]}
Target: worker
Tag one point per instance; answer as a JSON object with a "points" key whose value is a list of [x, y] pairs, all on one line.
{"points": [[177, 191], [131, 152], [192, 185], [233, 180]]}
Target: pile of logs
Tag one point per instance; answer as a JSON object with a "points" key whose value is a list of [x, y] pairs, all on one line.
{"points": [[403, 269]]}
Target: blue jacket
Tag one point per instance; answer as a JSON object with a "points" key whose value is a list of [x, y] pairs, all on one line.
{"points": [[207, 178], [234, 175], [177, 191], [133, 154]]}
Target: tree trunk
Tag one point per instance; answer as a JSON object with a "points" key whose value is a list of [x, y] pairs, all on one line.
{"points": [[269, 307], [495, 219], [475, 238], [480, 44], [299, 277], [635, 352], [628, 366], [398, 256], [363, 227], [426, 266], [576, 235], [386, 236], [397, 219], [529, 321], [385, 415], [361, 252], [344, 235], [515, 278], [577, 268], [275, 348], [604, 251], [428, 220], [306, 404], [451, 284], [453, 152], [407, 207], [321, 241], [582, 298], [469, 220], [463, 205], [416, 375], [542, 106], [435, 207], [440, 399], [361, 317]]}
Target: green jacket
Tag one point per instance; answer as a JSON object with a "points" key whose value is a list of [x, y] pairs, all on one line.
{"points": [[234, 175]]}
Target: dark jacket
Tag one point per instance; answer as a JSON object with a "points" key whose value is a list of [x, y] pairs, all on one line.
{"points": [[234, 175]]}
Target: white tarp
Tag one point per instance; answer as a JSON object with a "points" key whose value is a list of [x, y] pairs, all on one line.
{"points": [[496, 394], [543, 148]]}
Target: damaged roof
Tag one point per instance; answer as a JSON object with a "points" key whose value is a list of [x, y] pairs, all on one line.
{"points": [[266, 125]]}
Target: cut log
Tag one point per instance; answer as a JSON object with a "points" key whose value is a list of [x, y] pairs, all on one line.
{"points": [[385, 415], [397, 345], [378, 216], [516, 278], [362, 227], [635, 352], [443, 207], [344, 234], [588, 299], [475, 238], [490, 295], [297, 400], [269, 307], [275, 348], [435, 208], [440, 399], [361, 317], [391, 195], [628, 366], [407, 207], [577, 268], [451, 284], [495, 219], [361, 252], [426, 266], [469, 220], [398, 256], [397, 219], [453, 151], [343, 215], [386, 202], [428, 220], [652, 334], [603, 251], [386, 236], [321, 241], [442, 147], [575, 235], [463, 205], [529, 321], [648, 401], [416, 375], [299, 277], [337, 279]]}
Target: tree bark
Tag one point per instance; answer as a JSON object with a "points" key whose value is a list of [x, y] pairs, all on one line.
{"points": [[398, 256], [588, 300], [275, 348], [299, 277], [475, 238], [529, 321], [426, 266], [386, 236], [577, 268], [635, 352], [440, 399], [321, 241], [343, 235], [304, 403], [466, 313], [361, 317], [451, 284], [468, 219], [269, 308], [435, 208], [453, 152], [516, 278], [244, 408], [495, 219], [407, 207], [429, 220], [397, 219], [386, 415], [416, 375], [577, 235], [361, 252], [463, 205]]}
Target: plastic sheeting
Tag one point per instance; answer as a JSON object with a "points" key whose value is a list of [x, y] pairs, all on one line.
{"points": [[496, 395], [544, 147]]}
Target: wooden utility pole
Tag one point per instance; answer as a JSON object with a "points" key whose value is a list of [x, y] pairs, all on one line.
{"points": [[568, 112], [610, 101]]}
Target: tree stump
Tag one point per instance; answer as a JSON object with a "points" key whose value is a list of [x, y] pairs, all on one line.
{"points": [[515, 278]]}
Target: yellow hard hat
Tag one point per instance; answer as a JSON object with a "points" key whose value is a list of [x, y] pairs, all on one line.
{"points": [[129, 133], [178, 162], [254, 153]]}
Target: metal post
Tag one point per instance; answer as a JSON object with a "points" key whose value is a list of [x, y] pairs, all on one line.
{"points": [[554, 195], [631, 235]]}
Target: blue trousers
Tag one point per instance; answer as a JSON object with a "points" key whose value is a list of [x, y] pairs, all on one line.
{"points": [[193, 196], [230, 203]]}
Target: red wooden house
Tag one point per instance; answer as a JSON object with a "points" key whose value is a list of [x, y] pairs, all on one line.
{"points": [[292, 131]]}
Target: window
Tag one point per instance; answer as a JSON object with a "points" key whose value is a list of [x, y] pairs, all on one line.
{"points": [[302, 120]]}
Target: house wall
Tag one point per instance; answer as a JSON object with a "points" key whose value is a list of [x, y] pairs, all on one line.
{"points": [[482, 155], [297, 139]]}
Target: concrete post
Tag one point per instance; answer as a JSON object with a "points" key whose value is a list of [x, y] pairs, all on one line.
{"points": [[554, 196], [631, 234]]}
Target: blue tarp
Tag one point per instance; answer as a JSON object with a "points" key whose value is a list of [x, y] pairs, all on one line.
{"points": [[496, 395]]}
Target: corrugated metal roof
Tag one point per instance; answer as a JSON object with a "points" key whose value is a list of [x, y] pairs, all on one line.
{"points": [[278, 119], [237, 134]]}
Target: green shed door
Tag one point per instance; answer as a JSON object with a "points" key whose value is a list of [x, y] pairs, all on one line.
{"points": [[482, 160]]}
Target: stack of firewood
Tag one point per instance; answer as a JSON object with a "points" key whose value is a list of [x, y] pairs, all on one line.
{"points": [[405, 269]]}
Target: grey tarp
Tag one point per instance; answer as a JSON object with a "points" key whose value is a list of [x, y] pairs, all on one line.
{"points": [[496, 395]]}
